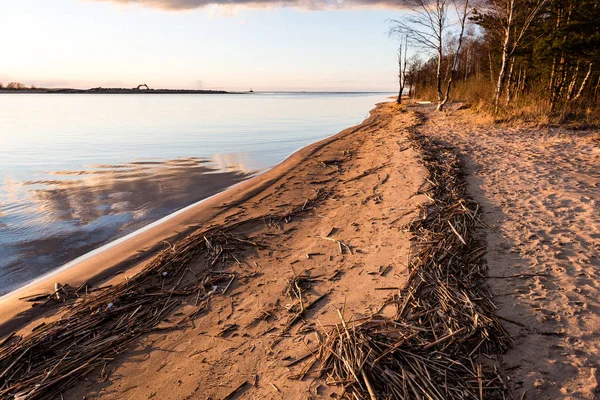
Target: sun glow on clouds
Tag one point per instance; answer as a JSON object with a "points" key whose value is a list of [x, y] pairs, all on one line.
{"points": [[181, 5], [200, 44]]}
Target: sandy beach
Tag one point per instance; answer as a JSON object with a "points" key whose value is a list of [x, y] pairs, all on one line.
{"points": [[540, 191], [330, 233], [371, 177]]}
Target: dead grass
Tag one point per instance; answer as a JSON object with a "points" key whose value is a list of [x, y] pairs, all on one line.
{"points": [[532, 107]]}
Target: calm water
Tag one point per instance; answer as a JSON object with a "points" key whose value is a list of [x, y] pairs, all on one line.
{"points": [[78, 171]]}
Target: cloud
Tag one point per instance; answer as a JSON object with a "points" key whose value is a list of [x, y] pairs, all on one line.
{"points": [[180, 5]]}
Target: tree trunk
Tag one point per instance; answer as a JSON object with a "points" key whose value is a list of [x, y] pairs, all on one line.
{"points": [[573, 83], [518, 85], [501, 74], [439, 77], [558, 94], [523, 85], [440, 49], [505, 56], [509, 81], [585, 81], [560, 83], [491, 67], [400, 81], [553, 70]]}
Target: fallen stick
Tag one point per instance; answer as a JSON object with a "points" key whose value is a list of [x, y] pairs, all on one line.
{"points": [[235, 391], [444, 338], [339, 242], [457, 234]]}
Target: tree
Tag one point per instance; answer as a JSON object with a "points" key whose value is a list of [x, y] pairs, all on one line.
{"points": [[425, 25], [512, 20], [413, 74], [535, 56], [15, 86], [462, 17], [402, 66]]}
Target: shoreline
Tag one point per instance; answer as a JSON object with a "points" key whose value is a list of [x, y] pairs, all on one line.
{"points": [[389, 229], [115, 91], [215, 303], [129, 254]]}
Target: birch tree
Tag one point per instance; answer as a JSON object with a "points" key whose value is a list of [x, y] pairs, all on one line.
{"points": [[402, 66], [462, 17], [426, 24], [513, 19]]}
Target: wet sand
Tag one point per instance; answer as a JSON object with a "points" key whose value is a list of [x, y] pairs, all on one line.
{"points": [[82, 210]]}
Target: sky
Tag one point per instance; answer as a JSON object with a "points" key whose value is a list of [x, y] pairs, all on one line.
{"points": [[311, 45]]}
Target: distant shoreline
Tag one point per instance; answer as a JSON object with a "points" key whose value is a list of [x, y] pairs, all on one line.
{"points": [[115, 91], [170, 91]]}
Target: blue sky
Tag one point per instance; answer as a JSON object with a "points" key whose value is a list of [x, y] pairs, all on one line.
{"points": [[88, 43]]}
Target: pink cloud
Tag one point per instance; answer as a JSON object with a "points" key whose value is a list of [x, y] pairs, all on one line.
{"points": [[305, 4]]}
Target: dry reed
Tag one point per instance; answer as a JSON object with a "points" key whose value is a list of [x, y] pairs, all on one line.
{"points": [[445, 316], [96, 328]]}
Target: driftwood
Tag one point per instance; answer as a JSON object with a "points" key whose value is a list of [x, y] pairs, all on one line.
{"points": [[99, 326], [445, 317]]}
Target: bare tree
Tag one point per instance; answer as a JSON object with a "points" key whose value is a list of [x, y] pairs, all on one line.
{"points": [[425, 25], [462, 17], [514, 18], [415, 65], [402, 66]]}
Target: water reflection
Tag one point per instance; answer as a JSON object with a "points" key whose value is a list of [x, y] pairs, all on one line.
{"points": [[77, 171], [47, 222]]}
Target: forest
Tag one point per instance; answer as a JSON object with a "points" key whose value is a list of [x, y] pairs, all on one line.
{"points": [[531, 60]]}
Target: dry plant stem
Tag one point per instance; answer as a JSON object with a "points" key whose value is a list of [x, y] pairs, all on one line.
{"points": [[445, 320], [97, 327]]}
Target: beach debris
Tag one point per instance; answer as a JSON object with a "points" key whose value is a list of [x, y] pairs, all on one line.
{"points": [[102, 324], [43, 363], [368, 172], [341, 245], [63, 294], [236, 391], [445, 318]]}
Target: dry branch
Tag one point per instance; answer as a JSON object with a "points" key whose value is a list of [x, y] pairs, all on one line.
{"points": [[96, 327], [445, 318]]}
